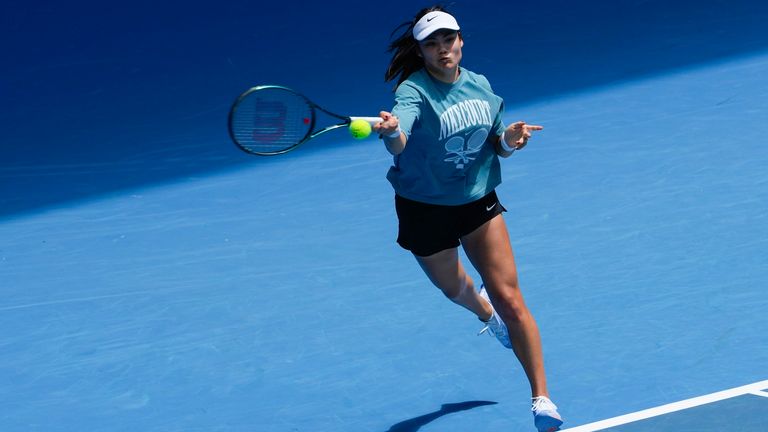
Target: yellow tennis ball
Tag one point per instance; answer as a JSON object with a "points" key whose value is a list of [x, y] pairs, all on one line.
{"points": [[360, 129]]}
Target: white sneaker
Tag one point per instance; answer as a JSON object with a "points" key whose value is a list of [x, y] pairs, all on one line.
{"points": [[495, 326], [545, 415]]}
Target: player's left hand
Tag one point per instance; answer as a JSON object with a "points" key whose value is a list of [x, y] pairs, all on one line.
{"points": [[519, 133]]}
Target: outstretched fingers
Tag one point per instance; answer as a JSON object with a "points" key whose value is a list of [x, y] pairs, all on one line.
{"points": [[525, 132]]}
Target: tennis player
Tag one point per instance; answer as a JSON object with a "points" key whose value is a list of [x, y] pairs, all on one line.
{"points": [[446, 134]]}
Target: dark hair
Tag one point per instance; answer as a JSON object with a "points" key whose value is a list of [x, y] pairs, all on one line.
{"points": [[406, 59]]}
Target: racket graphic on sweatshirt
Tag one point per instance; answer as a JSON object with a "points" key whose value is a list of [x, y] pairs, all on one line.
{"points": [[271, 120], [461, 152]]}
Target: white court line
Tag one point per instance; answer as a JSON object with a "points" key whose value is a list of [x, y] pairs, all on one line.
{"points": [[755, 389]]}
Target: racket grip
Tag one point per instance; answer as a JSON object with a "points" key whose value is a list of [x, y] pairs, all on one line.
{"points": [[371, 120]]}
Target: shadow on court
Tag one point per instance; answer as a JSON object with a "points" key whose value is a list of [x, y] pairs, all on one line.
{"points": [[135, 95], [414, 424]]}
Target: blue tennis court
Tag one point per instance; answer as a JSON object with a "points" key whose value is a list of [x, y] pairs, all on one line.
{"points": [[155, 278]]}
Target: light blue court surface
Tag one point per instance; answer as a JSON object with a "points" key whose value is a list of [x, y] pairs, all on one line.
{"points": [[153, 278]]}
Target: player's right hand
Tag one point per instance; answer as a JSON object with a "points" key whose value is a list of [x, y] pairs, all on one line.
{"points": [[388, 125]]}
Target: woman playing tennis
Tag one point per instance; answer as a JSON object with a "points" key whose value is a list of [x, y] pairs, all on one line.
{"points": [[446, 134]]}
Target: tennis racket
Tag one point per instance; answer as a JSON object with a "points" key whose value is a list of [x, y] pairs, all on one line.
{"points": [[271, 120]]}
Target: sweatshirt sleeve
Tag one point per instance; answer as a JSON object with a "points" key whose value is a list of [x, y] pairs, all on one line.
{"points": [[407, 107]]}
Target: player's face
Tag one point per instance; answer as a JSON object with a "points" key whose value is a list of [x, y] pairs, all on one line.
{"points": [[442, 52]]}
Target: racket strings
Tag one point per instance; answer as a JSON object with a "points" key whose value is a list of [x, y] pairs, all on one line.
{"points": [[271, 121]]}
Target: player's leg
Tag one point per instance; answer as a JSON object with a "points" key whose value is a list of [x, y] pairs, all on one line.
{"points": [[446, 272], [490, 252]]}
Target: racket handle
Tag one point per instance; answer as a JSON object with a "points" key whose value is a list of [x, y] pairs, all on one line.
{"points": [[371, 120]]}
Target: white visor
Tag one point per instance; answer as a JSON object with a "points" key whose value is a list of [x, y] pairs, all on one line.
{"points": [[431, 22]]}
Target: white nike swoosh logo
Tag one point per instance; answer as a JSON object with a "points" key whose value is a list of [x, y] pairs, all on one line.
{"points": [[491, 207]]}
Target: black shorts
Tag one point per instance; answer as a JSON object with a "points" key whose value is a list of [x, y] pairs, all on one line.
{"points": [[426, 229]]}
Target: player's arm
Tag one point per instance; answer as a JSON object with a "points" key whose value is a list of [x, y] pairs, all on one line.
{"points": [[389, 129]]}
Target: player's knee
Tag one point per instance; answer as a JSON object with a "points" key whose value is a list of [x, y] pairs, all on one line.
{"points": [[511, 306], [457, 291]]}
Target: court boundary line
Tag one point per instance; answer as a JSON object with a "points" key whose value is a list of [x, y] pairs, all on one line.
{"points": [[757, 389]]}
